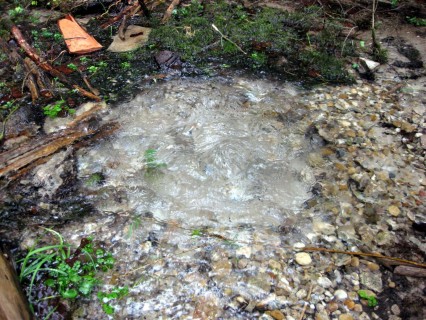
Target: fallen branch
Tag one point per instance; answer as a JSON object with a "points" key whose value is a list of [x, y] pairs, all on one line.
{"points": [[45, 65], [35, 57], [169, 11], [410, 271], [124, 12]]}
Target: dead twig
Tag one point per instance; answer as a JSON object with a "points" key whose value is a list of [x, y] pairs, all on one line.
{"points": [[125, 11], [308, 297], [227, 39], [44, 65], [145, 9], [169, 11], [364, 254]]}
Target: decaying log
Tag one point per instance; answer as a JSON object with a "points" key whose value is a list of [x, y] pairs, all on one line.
{"points": [[15, 160], [12, 302], [169, 11]]}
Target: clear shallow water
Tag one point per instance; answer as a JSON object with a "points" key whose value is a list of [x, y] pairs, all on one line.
{"points": [[223, 155]]}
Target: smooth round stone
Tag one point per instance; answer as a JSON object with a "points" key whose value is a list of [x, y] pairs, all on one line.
{"points": [[340, 295], [303, 258], [346, 316]]}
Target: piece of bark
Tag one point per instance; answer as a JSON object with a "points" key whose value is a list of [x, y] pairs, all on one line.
{"points": [[43, 86], [15, 160], [13, 305], [169, 11], [410, 271], [78, 41]]}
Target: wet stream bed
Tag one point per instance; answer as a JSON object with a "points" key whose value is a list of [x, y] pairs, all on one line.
{"points": [[209, 185]]}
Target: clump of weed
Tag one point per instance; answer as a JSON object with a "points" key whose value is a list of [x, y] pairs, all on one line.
{"points": [[54, 110], [56, 272]]}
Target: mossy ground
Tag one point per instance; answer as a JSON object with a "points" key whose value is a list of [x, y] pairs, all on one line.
{"points": [[305, 46]]}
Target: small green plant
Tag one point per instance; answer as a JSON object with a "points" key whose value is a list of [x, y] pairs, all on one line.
{"points": [[52, 110], [259, 58], [84, 60], [419, 22], [16, 12], [95, 68], [70, 273], [115, 294], [136, 223], [95, 179], [151, 162], [196, 233], [125, 65], [72, 66], [371, 300]]}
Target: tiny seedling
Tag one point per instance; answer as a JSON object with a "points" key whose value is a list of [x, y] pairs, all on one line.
{"points": [[371, 300], [52, 110], [151, 162], [196, 233], [125, 65], [72, 66]]}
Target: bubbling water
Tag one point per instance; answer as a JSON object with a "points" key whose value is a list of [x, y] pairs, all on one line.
{"points": [[204, 153]]}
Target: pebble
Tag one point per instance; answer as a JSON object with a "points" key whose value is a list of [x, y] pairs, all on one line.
{"points": [[346, 316], [396, 310], [394, 210], [355, 262], [303, 258], [373, 266], [324, 282], [358, 307], [276, 314], [332, 306], [244, 251], [340, 295], [275, 265]]}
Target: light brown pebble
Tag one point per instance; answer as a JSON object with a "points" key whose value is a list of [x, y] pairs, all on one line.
{"points": [[392, 284], [332, 306], [340, 167], [394, 210], [349, 303], [275, 265], [357, 307], [276, 314], [355, 262], [346, 316], [373, 266]]}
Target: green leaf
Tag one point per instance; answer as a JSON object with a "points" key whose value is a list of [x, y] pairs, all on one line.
{"points": [[69, 294], [86, 286], [108, 309], [50, 282]]}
